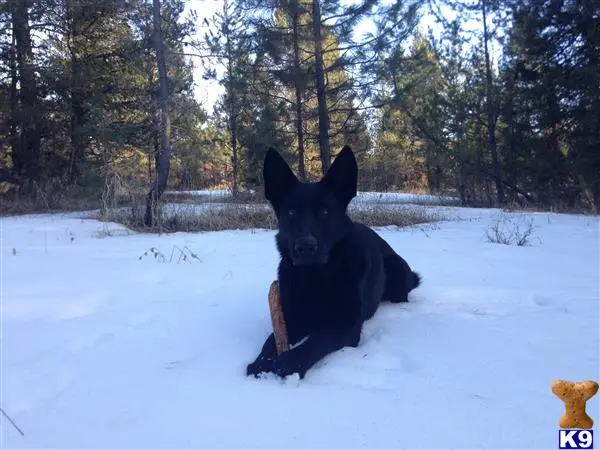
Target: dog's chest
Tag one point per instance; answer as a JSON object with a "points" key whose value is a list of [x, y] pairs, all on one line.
{"points": [[314, 299]]}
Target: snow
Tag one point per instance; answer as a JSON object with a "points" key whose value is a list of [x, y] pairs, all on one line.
{"points": [[203, 193], [104, 347]]}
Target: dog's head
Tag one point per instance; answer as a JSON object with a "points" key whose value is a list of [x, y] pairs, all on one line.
{"points": [[312, 216]]}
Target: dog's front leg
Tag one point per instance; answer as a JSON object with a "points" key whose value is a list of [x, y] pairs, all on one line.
{"points": [[318, 345], [266, 358]]}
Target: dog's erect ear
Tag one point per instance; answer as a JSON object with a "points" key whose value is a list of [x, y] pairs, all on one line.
{"points": [[342, 176], [278, 178]]}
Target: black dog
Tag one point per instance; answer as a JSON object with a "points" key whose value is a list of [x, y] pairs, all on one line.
{"points": [[333, 272]]}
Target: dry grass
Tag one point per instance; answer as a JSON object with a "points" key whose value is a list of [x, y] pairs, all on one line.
{"points": [[54, 198], [186, 197], [228, 217], [47, 203], [123, 204], [236, 216], [519, 231], [558, 208], [193, 218], [405, 199], [382, 215], [258, 198]]}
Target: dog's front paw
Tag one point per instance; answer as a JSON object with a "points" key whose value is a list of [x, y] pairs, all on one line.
{"points": [[261, 365], [286, 364]]}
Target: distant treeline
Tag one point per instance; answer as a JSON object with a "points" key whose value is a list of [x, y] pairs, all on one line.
{"points": [[499, 105]]}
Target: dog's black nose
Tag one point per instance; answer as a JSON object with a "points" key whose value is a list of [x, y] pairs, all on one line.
{"points": [[306, 246]]}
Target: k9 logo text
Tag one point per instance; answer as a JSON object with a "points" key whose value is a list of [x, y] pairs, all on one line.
{"points": [[568, 439]]}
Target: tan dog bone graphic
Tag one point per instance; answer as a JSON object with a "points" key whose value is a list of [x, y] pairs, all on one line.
{"points": [[575, 396]]}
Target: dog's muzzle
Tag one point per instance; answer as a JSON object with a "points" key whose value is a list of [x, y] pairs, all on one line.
{"points": [[307, 251]]}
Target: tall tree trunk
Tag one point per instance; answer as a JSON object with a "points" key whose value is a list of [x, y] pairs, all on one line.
{"points": [[14, 101], [512, 144], [154, 137], [589, 160], [77, 119], [298, 88], [592, 116], [233, 107], [233, 130], [491, 113], [78, 110], [482, 179], [164, 154], [233, 143], [461, 176], [8, 175], [555, 158], [27, 159], [324, 149]]}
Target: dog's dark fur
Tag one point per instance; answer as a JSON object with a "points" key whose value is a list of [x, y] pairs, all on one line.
{"points": [[333, 272]]}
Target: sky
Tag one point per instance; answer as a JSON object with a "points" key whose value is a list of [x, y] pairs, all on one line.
{"points": [[205, 91]]}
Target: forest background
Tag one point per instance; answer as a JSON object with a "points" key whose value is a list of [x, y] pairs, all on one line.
{"points": [[496, 102]]}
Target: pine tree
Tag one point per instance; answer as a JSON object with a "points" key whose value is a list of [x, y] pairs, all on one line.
{"points": [[27, 140]]}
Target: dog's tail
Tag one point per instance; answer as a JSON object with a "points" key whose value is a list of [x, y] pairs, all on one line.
{"points": [[416, 280]]}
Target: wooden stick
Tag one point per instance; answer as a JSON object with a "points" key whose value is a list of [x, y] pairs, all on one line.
{"points": [[279, 328]]}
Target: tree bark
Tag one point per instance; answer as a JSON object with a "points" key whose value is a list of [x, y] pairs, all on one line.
{"points": [[555, 178], [154, 147], [27, 159], [77, 119], [298, 88], [14, 102], [233, 107], [591, 120], [462, 182], [233, 125], [512, 144], [324, 149], [491, 113], [164, 153], [74, 14]]}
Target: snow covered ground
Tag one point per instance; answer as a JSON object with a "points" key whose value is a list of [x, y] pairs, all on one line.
{"points": [[109, 344], [204, 193]]}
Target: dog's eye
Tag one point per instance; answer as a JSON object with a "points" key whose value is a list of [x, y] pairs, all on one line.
{"points": [[324, 212], [292, 213]]}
